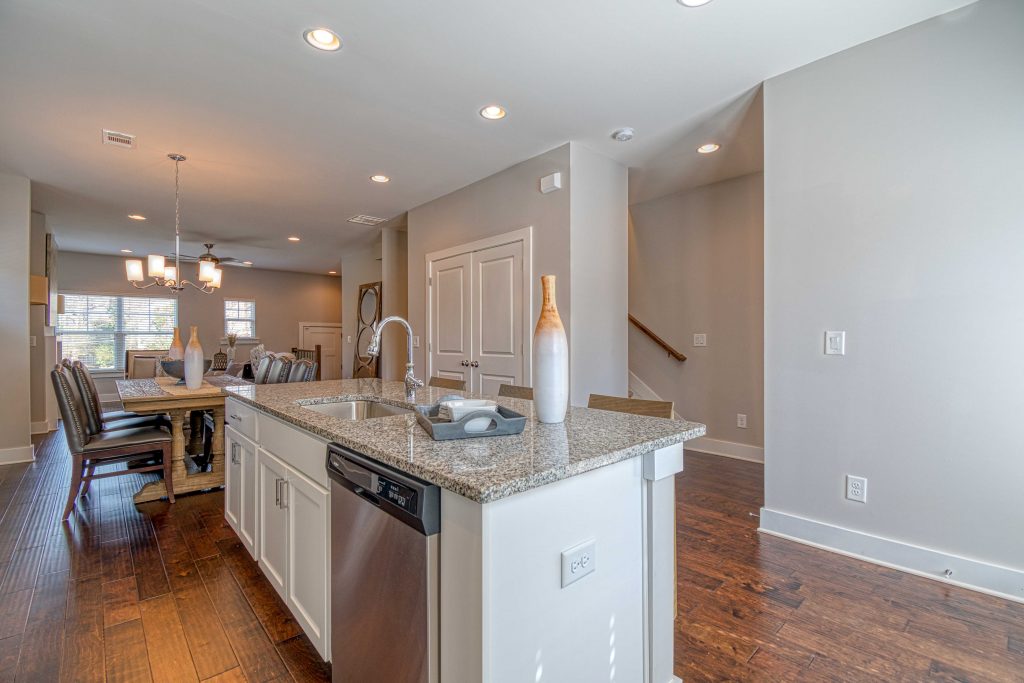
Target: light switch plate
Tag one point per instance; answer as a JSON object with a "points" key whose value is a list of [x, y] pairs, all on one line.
{"points": [[348, 339], [700, 339], [578, 561], [835, 343], [416, 341]]}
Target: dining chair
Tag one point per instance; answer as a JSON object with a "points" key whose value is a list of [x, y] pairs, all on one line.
{"points": [[636, 406], [98, 419], [279, 369], [515, 391], [90, 450], [302, 370], [262, 370], [142, 363], [447, 383], [312, 355]]}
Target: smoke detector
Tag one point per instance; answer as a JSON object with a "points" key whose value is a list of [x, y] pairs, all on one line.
{"points": [[363, 219], [623, 135], [112, 137]]}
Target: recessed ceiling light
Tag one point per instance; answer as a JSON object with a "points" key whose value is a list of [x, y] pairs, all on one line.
{"points": [[248, 263], [293, 239], [126, 251], [136, 217], [693, 3], [708, 148], [623, 134], [493, 112], [323, 39], [380, 179]]}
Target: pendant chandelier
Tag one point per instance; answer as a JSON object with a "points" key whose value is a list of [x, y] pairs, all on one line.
{"points": [[164, 275]]}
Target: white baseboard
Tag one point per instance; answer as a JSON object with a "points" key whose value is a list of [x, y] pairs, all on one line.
{"points": [[728, 449], [44, 427], [984, 577], [17, 454]]}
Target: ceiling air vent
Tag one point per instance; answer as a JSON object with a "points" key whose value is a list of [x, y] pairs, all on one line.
{"points": [[366, 220], [112, 137]]}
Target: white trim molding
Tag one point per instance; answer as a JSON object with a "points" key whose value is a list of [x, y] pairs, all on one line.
{"points": [[727, 449], [17, 454], [43, 427], [964, 572]]}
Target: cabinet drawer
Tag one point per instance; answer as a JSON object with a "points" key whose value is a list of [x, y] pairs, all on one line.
{"points": [[295, 447], [241, 417]]}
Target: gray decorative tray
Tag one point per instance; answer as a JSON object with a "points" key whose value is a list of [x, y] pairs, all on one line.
{"points": [[503, 423]]}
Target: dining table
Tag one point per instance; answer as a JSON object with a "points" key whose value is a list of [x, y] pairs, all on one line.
{"points": [[163, 395]]}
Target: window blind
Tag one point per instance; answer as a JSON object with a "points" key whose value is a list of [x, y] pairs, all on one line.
{"points": [[97, 329], [240, 318]]}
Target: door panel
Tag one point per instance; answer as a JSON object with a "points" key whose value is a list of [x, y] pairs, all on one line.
{"points": [[329, 339], [273, 525], [249, 494], [308, 510], [232, 480], [450, 316], [498, 317]]}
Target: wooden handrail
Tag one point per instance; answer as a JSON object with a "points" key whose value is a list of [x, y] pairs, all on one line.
{"points": [[656, 339]]}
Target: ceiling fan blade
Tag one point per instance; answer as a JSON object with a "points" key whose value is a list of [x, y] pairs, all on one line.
{"points": [[235, 263]]}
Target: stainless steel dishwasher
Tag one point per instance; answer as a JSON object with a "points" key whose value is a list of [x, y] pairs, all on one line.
{"points": [[385, 528]]}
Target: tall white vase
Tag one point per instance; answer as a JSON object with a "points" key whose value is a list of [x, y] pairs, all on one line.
{"points": [[194, 361], [550, 360]]}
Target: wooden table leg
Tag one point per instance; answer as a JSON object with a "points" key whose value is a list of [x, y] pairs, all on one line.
{"points": [[155, 490], [217, 444], [195, 439]]}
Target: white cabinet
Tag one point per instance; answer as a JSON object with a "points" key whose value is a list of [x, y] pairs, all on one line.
{"points": [[272, 526], [240, 487], [276, 498]]}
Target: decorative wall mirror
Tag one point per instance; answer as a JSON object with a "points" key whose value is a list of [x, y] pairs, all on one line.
{"points": [[368, 315]]}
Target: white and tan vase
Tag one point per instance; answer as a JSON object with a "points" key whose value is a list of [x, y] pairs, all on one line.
{"points": [[177, 350], [194, 361], [550, 359]]}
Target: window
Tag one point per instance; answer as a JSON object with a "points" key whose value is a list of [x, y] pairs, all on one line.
{"points": [[97, 329], [240, 318]]}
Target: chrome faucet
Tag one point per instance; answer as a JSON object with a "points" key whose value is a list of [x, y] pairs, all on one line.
{"points": [[411, 383]]}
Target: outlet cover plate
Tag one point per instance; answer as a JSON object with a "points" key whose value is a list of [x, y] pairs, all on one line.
{"points": [[741, 420], [700, 339], [856, 489], [835, 343], [578, 561]]}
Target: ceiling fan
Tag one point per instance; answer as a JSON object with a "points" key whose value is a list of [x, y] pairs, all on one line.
{"points": [[209, 256]]}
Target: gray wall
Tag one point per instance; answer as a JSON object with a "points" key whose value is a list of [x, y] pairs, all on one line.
{"points": [[599, 219], [283, 299], [15, 418], [44, 354], [395, 276], [894, 211], [695, 266], [358, 267], [506, 201]]}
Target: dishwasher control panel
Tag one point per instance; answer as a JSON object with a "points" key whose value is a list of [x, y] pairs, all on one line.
{"points": [[397, 494]]}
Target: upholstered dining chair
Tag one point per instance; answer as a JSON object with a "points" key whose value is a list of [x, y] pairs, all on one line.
{"points": [[280, 367], [515, 391], [97, 418], [90, 450], [302, 370], [636, 406], [448, 383]]}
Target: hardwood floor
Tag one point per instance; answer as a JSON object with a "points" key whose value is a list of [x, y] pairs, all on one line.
{"points": [[120, 592], [758, 608], [167, 593]]}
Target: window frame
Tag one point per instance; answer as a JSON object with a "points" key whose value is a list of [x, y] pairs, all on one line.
{"points": [[120, 333], [254, 338]]}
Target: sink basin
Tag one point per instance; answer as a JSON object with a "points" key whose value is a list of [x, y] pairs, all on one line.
{"points": [[357, 410]]}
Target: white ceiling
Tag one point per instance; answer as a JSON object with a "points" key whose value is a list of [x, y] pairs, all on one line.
{"points": [[281, 138]]}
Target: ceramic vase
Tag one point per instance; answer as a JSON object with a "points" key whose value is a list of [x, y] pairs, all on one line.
{"points": [[194, 361], [177, 351], [550, 359]]}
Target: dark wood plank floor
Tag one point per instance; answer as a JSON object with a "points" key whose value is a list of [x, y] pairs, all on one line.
{"points": [[121, 592], [167, 593], [758, 608]]}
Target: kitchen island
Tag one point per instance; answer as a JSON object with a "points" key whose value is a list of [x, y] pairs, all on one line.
{"points": [[510, 508]]}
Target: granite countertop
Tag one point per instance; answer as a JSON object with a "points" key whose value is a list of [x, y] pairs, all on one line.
{"points": [[483, 469]]}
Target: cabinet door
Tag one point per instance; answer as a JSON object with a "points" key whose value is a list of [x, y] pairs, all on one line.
{"points": [[247, 504], [232, 479], [308, 576], [272, 526]]}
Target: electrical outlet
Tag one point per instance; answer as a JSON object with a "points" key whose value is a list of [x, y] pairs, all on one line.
{"points": [[856, 489], [835, 343], [578, 561], [741, 420], [700, 339]]}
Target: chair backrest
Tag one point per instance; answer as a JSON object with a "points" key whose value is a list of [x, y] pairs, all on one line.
{"points": [[312, 355], [279, 369], [301, 371], [262, 370], [515, 391], [90, 397], [72, 411], [234, 369], [142, 363], [446, 383], [636, 406]]}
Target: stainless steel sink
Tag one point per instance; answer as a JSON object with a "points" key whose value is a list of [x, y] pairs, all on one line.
{"points": [[357, 410]]}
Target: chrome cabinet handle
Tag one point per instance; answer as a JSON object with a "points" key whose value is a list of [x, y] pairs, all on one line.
{"points": [[475, 364], [235, 417], [234, 454], [277, 492], [284, 494]]}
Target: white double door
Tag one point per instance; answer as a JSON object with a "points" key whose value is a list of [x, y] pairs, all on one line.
{"points": [[478, 300]]}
